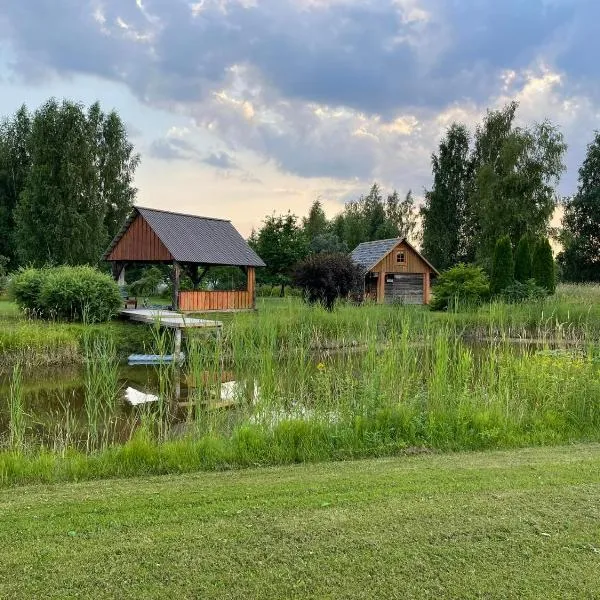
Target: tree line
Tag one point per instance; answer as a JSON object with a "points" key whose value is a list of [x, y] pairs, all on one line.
{"points": [[66, 186], [285, 240], [66, 183]]}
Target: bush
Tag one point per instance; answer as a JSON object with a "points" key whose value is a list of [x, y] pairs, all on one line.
{"points": [[503, 269], [25, 288], [326, 277], [523, 291], [67, 293], [461, 284], [544, 272]]}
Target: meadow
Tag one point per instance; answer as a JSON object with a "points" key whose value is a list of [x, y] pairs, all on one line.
{"points": [[313, 386]]}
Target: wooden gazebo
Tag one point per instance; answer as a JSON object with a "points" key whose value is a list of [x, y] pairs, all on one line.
{"points": [[192, 245]]}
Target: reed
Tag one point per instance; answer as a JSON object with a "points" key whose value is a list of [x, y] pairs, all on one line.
{"points": [[101, 388], [16, 410]]}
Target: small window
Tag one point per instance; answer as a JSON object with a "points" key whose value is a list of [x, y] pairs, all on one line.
{"points": [[401, 258]]}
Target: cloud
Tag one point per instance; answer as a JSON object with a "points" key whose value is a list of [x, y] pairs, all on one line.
{"points": [[345, 89], [220, 160]]}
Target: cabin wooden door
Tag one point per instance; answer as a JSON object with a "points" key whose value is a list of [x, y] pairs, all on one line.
{"points": [[405, 288]]}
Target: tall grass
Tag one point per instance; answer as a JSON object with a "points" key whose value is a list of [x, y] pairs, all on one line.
{"points": [[101, 388], [361, 381], [16, 411]]}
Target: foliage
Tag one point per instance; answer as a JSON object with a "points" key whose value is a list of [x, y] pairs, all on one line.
{"points": [[371, 218], [515, 171], [523, 291], [281, 243], [445, 210], [543, 266], [402, 216], [326, 277], [503, 268], [25, 288], [67, 293], [225, 278], [523, 260], [504, 184], [327, 243], [15, 162], [315, 224], [461, 285], [580, 237], [148, 283], [66, 179]]}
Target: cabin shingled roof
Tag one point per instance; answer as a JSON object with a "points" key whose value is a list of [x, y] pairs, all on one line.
{"points": [[194, 239], [368, 254]]}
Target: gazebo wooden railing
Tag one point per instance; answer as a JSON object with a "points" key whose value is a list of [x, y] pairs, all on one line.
{"points": [[221, 301]]}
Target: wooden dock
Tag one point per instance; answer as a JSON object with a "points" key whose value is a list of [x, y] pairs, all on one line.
{"points": [[168, 318], [171, 320]]}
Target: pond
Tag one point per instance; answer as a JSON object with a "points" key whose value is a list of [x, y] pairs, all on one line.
{"points": [[303, 385]]}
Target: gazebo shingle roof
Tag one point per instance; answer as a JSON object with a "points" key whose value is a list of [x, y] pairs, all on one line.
{"points": [[193, 239]]}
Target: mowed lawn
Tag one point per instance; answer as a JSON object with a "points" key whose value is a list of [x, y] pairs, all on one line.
{"points": [[518, 524]]}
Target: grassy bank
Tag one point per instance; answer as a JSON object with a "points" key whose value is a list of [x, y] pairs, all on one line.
{"points": [[39, 343], [572, 315], [495, 525]]}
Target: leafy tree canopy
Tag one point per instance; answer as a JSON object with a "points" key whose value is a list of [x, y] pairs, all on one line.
{"points": [[281, 243], [580, 236], [66, 177]]}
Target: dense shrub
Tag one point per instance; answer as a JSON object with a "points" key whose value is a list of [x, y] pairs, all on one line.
{"points": [[67, 293], [326, 277], [460, 285], [523, 265], [523, 291], [543, 266], [503, 269], [25, 288]]}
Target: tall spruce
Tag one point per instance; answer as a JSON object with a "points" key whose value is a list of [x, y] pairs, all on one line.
{"points": [[315, 224], [503, 269], [523, 257], [580, 236], [544, 272], [516, 171], [445, 232]]}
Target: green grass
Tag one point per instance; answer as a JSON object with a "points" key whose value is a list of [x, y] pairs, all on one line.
{"points": [[37, 343], [519, 524]]}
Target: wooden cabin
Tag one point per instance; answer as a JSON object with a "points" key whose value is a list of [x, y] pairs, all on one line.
{"points": [[394, 271], [192, 245]]}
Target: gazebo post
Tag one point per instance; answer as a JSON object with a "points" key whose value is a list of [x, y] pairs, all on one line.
{"points": [[175, 278], [252, 286]]}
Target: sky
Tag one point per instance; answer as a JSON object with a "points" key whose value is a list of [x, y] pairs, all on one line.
{"points": [[242, 108]]}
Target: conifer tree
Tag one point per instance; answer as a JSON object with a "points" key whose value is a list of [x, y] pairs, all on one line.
{"points": [[523, 265], [543, 266], [503, 270]]}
